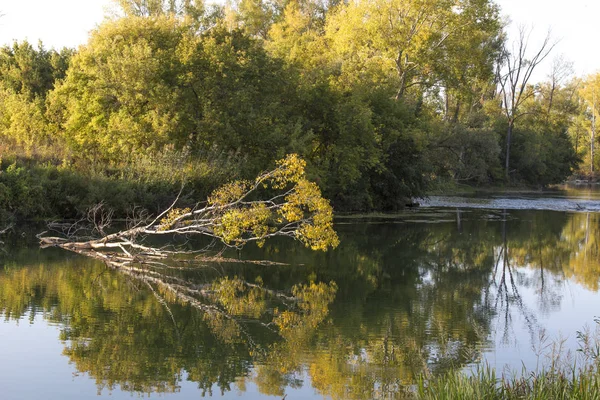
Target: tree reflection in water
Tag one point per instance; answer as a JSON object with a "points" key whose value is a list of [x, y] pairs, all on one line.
{"points": [[419, 294], [121, 332]]}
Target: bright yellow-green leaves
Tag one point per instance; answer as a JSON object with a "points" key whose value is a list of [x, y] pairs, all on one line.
{"points": [[248, 220], [151, 8], [296, 208], [22, 123], [172, 216], [386, 41], [228, 193], [585, 129], [119, 95]]}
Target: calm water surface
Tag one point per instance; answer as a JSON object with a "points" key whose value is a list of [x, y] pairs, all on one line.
{"points": [[445, 286]]}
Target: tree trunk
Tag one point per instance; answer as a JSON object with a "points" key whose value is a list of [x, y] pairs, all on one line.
{"points": [[508, 141], [593, 138], [402, 72], [446, 104], [457, 110]]}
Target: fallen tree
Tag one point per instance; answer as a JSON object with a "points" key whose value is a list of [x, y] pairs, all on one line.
{"points": [[281, 202], [233, 215]]}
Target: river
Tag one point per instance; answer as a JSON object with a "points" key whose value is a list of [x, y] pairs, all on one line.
{"points": [[460, 281]]}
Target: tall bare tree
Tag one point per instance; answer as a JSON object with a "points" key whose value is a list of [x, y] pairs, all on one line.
{"points": [[560, 71], [513, 78]]}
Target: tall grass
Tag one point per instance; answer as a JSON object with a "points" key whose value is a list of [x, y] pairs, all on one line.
{"points": [[560, 374], [49, 188]]}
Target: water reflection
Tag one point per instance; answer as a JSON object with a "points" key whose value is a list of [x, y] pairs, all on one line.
{"points": [[423, 292], [124, 332]]}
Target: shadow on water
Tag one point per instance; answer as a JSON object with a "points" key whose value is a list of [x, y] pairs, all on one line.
{"points": [[421, 292]]}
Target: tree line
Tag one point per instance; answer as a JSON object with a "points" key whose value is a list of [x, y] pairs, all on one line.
{"points": [[384, 99]]}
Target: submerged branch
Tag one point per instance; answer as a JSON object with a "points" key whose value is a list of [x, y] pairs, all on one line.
{"points": [[233, 215]]}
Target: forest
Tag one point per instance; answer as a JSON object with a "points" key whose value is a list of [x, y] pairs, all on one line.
{"points": [[386, 100]]}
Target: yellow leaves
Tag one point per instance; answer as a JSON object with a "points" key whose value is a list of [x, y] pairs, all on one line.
{"points": [[302, 210], [238, 221], [289, 170], [173, 216], [317, 231], [228, 193], [291, 212], [318, 237]]}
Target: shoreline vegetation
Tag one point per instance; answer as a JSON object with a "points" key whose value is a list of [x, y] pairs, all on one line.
{"points": [[560, 374], [566, 383]]}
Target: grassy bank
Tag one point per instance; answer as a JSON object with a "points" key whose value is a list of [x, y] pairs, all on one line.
{"points": [[448, 187], [577, 383], [563, 375], [32, 190]]}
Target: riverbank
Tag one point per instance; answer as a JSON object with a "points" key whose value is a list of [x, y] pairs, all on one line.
{"points": [[567, 383], [31, 190], [453, 188], [560, 374]]}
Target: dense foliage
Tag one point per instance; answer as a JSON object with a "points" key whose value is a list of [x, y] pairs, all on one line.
{"points": [[384, 99]]}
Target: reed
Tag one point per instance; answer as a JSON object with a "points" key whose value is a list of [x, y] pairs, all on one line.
{"points": [[561, 374]]}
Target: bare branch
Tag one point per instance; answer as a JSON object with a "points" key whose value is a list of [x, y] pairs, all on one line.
{"points": [[5, 230], [513, 79]]}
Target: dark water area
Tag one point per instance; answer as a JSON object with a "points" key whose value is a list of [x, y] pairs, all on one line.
{"points": [[429, 290]]}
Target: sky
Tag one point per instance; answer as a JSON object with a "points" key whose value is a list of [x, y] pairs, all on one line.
{"points": [[58, 23], [574, 23], [66, 23]]}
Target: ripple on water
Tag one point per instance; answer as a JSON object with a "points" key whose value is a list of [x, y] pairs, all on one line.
{"points": [[514, 203]]}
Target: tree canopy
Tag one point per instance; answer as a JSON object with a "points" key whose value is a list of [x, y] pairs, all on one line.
{"points": [[385, 100]]}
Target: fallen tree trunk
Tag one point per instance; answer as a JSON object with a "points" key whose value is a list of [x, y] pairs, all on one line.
{"points": [[233, 215]]}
